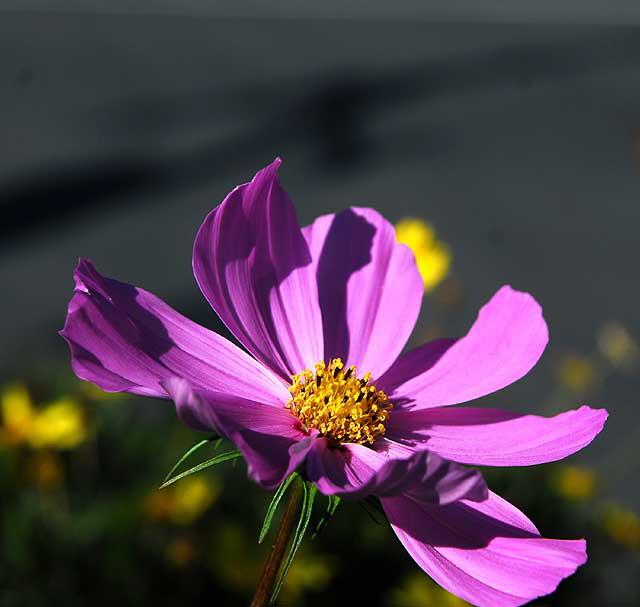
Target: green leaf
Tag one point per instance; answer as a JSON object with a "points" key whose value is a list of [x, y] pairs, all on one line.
{"points": [[332, 506], [218, 459], [217, 441], [271, 510], [193, 449], [309, 495]]}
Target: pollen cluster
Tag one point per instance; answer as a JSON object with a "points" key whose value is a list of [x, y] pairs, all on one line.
{"points": [[338, 404]]}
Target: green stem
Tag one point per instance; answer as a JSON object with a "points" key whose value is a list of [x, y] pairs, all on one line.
{"points": [[262, 597]]}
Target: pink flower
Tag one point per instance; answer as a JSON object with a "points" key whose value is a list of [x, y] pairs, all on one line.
{"points": [[324, 312]]}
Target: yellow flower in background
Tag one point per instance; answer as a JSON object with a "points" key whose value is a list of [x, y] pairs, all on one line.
{"points": [[578, 373], [418, 589], [574, 482], [184, 501], [432, 256], [622, 526], [17, 414], [58, 425], [617, 345], [192, 497], [308, 572]]}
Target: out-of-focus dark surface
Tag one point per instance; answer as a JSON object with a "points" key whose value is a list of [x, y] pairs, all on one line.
{"points": [[519, 143]]}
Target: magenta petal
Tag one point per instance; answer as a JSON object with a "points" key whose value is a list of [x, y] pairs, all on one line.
{"points": [[503, 344], [487, 553], [123, 338], [369, 287], [268, 437], [355, 471], [491, 437], [253, 266], [413, 364]]}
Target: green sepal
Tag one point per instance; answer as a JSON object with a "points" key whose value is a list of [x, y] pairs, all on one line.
{"points": [[309, 495], [218, 459], [271, 510], [332, 506]]}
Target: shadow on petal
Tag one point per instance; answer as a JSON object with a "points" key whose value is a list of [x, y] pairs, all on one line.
{"points": [[347, 249]]}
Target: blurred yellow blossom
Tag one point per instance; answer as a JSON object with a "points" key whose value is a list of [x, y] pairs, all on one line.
{"points": [[192, 497], [59, 425], [185, 501], [574, 482], [308, 572], [419, 589], [432, 256], [578, 373], [17, 414], [617, 345], [622, 525]]}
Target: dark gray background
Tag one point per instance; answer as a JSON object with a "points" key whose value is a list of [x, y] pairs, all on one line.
{"points": [[512, 132]]}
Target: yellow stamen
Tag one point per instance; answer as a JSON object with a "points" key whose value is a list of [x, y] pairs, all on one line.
{"points": [[338, 404]]}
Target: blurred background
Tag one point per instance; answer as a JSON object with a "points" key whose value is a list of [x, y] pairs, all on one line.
{"points": [[503, 139]]}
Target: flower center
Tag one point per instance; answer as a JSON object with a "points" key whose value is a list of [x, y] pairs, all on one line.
{"points": [[338, 404]]}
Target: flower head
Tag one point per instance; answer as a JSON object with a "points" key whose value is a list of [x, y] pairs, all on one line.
{"points": [[338, 404], [324, 312]]}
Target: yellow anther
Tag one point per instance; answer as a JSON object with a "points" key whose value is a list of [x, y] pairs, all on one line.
{"points": [[338, 404]]}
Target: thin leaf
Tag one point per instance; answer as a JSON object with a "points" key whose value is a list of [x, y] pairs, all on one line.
{"points": [[271, 510], [332, 506], [309, 496], [217, 441], [193, 449], [218, 459]]}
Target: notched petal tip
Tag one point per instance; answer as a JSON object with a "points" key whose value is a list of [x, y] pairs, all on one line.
{"points": [[277, 161], [369, 287], [267, 174], [518, 300], [598, 415], [253, 265], [84, 266], [487, 553], [123, 338], [503, 344], [492, 437]]}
